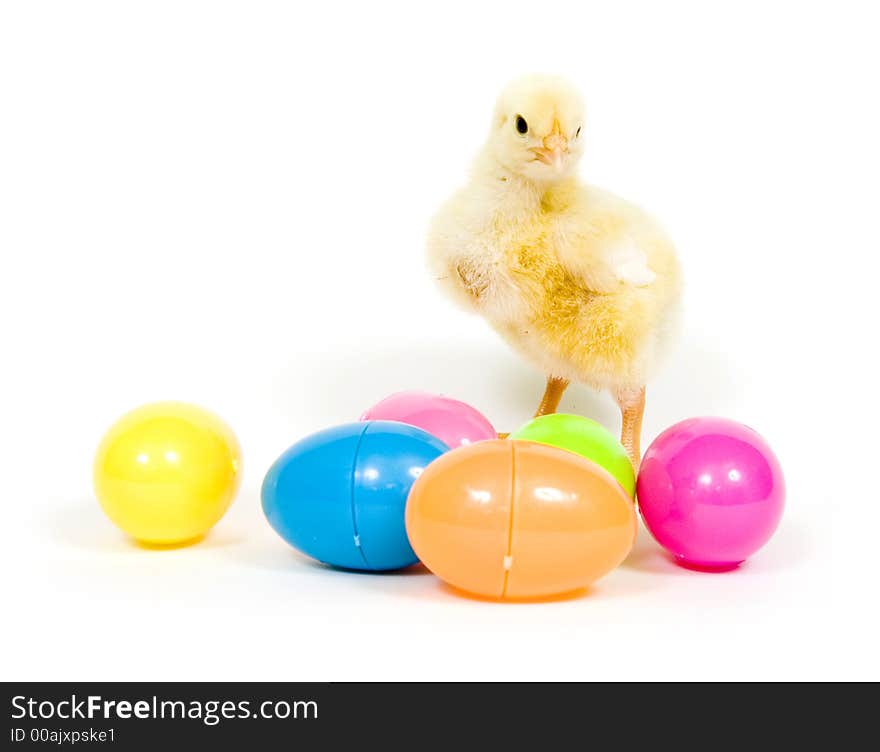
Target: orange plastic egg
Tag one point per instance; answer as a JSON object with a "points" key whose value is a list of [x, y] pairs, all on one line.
{"points": [[516, 519]]}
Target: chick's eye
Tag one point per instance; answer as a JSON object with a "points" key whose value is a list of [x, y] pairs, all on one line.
{"points": [[577, 132], [521, 125]]}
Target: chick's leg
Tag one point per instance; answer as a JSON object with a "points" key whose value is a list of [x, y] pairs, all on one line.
{"points": [[552, 396], [632, 408]]}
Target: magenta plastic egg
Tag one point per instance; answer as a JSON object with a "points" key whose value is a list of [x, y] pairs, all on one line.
{"points": [[455, 423], [711, 492]]}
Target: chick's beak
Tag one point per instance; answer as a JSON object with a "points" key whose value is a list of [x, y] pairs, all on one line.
{"points": [[555, 147]]}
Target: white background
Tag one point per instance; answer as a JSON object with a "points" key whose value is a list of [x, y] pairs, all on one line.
{"points": [[226, 203]]}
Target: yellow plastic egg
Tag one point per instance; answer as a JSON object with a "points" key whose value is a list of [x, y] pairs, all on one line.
{"points": [[167, 472]]}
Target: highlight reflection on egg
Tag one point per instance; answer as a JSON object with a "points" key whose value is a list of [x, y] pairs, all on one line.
{"points": [[517, 519]]}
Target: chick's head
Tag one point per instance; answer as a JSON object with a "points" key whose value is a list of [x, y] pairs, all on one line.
{"points": [[536, 129]]}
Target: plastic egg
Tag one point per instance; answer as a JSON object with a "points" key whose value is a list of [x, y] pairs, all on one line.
{"points": [[585, 437], [711, 492], [339, 495], [455, 423], [167, 472], [515, 519]]}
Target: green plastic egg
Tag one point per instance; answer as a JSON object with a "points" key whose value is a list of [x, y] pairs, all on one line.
{"points": [[585, 437]]}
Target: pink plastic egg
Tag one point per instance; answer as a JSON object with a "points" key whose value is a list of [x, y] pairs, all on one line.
{"points": [[711, 492], [454, 423]]}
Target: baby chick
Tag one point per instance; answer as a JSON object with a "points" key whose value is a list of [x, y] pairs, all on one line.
{"points": [[580, 282]]}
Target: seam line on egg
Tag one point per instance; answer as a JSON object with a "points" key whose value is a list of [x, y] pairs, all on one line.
{"points": [[354, 522], [508, 557]]}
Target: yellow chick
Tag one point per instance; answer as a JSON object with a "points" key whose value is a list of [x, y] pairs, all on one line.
{"points": [[580, 282]]}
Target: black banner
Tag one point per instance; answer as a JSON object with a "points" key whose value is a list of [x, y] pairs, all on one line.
{"points": [[135, 716]]}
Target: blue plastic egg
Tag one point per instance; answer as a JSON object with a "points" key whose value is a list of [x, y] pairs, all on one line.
{"points": [[339, 495]]}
